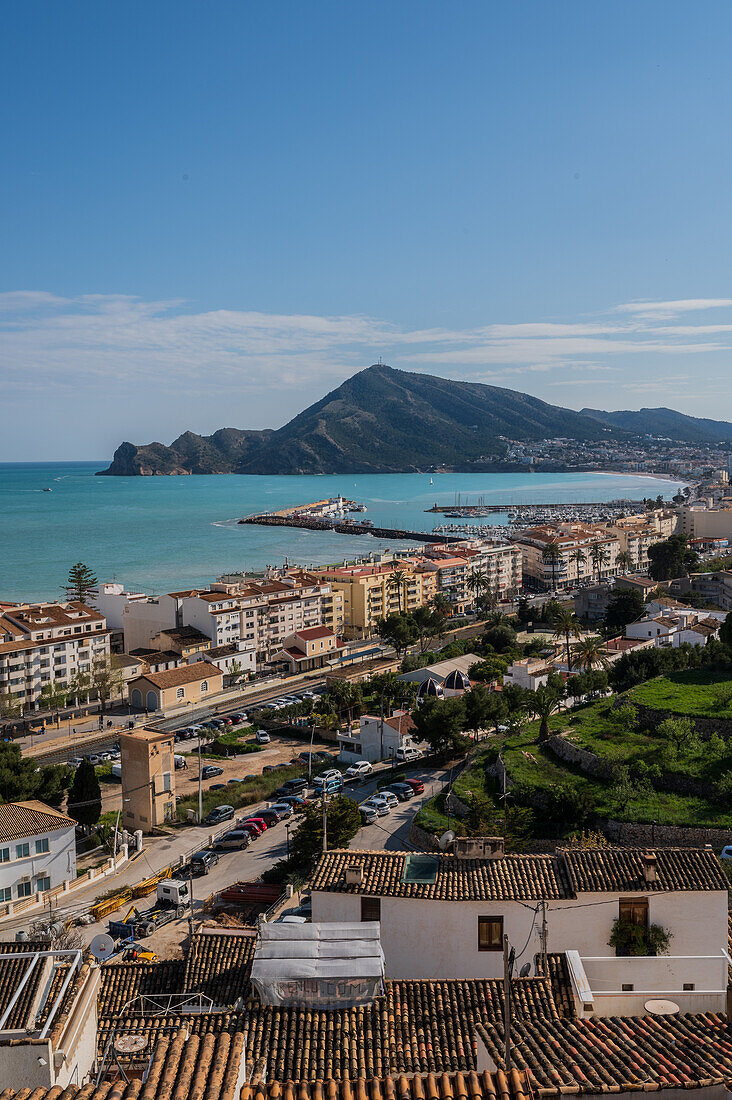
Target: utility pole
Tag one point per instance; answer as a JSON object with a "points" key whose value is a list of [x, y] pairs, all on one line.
{"points": [[325, 822], [190, 911], [200, 783], [544, 934], [507, 963]]}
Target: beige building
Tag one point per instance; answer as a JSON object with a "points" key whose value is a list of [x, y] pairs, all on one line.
{"points": [[194, 683], [312, 647], [574, 542], [148, 779], [371, 592], [46, 644], [698, 522]]}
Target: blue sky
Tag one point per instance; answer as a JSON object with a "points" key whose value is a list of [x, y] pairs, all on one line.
{"points": [[214, 213]]}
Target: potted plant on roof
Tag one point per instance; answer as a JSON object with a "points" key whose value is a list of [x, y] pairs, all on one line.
{"points": [[630, 938]]}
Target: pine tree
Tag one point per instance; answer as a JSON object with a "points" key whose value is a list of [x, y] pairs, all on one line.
{"points": [[81, 583], [85, 797]]}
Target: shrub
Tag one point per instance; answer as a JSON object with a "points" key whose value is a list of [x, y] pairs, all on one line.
{"points": [[637, 939]]}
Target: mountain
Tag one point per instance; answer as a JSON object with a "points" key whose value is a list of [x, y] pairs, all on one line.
{"points": [[379, 421], [666, 423]]}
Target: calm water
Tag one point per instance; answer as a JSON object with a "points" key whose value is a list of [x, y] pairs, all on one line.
{"points": [[160, 533]]}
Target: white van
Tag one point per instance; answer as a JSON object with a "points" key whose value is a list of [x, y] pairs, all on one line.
{"points": [[407, 755], [180, 761]]}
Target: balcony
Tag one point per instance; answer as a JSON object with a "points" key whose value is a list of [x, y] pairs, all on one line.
{"points": [[610, 986]]}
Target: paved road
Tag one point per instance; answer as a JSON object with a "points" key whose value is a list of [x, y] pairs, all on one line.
{"points": [[390, 832]]}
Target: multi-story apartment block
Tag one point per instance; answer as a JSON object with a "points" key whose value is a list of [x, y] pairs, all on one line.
{"points": [[373, 591], [574, 544], [499, 563], [42, 644]]}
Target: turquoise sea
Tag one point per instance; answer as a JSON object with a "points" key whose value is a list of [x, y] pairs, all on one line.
{"points": [[160, 533]]}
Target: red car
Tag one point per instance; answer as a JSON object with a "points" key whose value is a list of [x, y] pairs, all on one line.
{"points": [[250, 827], [259, 821], [228, 721], [416, 784]]}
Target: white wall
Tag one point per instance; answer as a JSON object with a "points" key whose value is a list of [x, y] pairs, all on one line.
{"points": [[141, 621], [438, 939], [59, 862]]}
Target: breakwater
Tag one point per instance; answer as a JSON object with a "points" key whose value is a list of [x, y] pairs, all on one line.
{"points": [[346, 527]]}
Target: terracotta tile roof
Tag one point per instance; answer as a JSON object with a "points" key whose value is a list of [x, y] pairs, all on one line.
{"points": [[219, 964], [415, 1027], [187, 674], [11, 974], [621, 869], [120, 982], [618, 1054], [20, 819], [460, 1086], [311, 633], [521, 877]]}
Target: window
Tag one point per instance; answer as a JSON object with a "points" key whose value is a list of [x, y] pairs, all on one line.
{"points": [[24, 889], [627, 987], [180, 693], [4, 855], [22, 850], [370, 909], [634, 910], [42, 846], [6, 893], [204, 685], [43, 883], [490, 933]]}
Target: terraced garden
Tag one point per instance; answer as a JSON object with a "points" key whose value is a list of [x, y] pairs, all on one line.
{"points": [[696, 692]]}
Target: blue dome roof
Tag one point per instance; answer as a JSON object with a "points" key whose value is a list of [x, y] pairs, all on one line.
{"points": [[429, 687], [456, 681]]}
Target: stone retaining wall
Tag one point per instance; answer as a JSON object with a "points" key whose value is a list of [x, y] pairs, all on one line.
{"points": [[634, 833], [650, 719]]}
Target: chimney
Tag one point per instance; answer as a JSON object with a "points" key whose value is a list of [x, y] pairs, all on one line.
{"points": [[650, 866], [354, 875]]}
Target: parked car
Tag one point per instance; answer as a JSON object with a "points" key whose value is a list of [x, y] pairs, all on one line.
{"points": [[726, 852], [292, 786], [234, 841], [407, 756], [368, 813], [257, 820], [270, 815], [230, 781], [219, 814], [329, 773], [262, 737], [238, 717], [297, 801], [227, 721], [251, 827], [74, 761], [329, 786], [402, 790], [390, 797], [416, 784], [284, 809], [289, 918], [218, 723], [377, 803], [359, 770], [94, 759], [208, 771], [217, 787], [179, 761], [203, 861]]}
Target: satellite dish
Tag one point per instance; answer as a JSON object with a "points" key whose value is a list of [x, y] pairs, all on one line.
{"points": [[525, 970], [102, 947], [446, 840], [130, 1044], [661, 1007]]}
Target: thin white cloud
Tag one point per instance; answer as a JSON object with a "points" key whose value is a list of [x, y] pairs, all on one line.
{"points": [[115, 343], [673, 306]]}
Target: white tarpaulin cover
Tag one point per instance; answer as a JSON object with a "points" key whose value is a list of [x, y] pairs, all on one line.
{"points": [[331, 965]]}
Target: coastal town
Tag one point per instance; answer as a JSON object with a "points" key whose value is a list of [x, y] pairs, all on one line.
{"points": [[262, 831], [365, 551]]}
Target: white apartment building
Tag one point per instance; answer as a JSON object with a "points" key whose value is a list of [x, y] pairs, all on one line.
{"points": [[444, 916], [37, 849], [675, 626], [111, 598], [45, 643], [375, 740]]}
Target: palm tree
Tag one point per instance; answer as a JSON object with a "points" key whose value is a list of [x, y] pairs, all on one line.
{"points": [[599, 556], [477, 581], [543, 704], [566, 626], [578, 557], [625, 561], [397, 579], [590, 653], [552, 555]]}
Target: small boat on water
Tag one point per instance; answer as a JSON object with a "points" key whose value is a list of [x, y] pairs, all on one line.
{"points": [[48, 490]]}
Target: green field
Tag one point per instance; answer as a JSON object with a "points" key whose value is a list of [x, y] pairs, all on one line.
{"points": [[692, 692]]}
